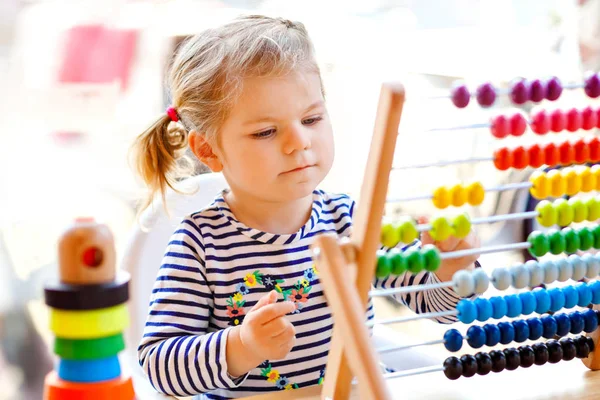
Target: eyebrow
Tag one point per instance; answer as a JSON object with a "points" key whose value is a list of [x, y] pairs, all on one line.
{"points": [[316, 104]]}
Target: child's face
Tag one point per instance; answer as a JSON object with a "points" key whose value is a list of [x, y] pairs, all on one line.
{"points": [[277, 143]]}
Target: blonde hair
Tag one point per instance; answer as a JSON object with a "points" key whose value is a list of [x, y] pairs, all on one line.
{"points": [[205, 78]]}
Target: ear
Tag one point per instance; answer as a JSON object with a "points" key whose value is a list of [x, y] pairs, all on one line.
{"points": [[204, 151]]}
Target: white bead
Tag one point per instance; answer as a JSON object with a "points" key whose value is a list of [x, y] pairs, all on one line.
{"points": [[579, 267], [593, 266], [482, 281], [464, 284], [536, 273], [550, 271], [501, 278], [520, 276], [565, 269]]}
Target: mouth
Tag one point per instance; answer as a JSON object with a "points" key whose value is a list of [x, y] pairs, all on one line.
{"points": [[298, 169]]}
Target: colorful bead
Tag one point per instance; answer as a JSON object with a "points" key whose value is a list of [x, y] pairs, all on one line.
{"points": [[555, 351], [484, 309], [574, 120], [469, 365], [589, 119], [452, 368], [460, 95], [557, 299], [596, 232], [554, 89], [585, 295], [520, 158], [558, 243], [431, 258], [384, 266], [453, 340], [540, 245], [572, 240], [501, 278], [558, 185], [536, 329], [579, 210], [475, 193], [592, 85], [586, 239], [486, 95], [389, 235], [541, 354], [519, 91], [537, 91], [536, 273], [482, 281], [500, 126], [551, 154], [458, 195], [558, 121], [565, 269], [576, 322], [521, 330], [582, 349], [569, 349], [550, 326], [595, 287], [592, 265], [542, 301], [547, 214], [467, 312], [593, 208], [518, 124], [502, 159], [565, 212], [541, 186], [440, 229], [463, 283], [566, 153], [550, 271], [594, 146], [498, 360], [407, 228], [527, 302], [507, 332], [520, 276], [514, 305], [588, 180], [499, 307], [536, 156], [540, 122], [582, 152], [571, 296], [398, 261], [484, 363], [590, 321], [573, 181], [513, 358], [527, 356], [414, 260], [595, 170], [441, 197], [461, 224], [563, 324]]}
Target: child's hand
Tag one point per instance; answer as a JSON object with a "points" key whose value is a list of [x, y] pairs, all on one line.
{"points": [[449, 266], [265, 331]]}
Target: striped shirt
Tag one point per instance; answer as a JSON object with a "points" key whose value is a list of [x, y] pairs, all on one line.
{"points": [[215, 269]]}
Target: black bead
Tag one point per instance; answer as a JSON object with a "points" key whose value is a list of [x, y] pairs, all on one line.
{"points": [[484, 363], [498, 360], [597, 315], [452, 368], [569, 350], [469, 365], [527, 356], [555, 351], [591, 344], [513, 358], [581, 347], [541, 353]]}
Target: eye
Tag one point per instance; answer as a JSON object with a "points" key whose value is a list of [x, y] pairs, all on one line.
{"points": [[264, 134], [311, 121]]}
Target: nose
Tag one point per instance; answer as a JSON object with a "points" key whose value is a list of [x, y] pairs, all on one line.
{"points": [[297, 139]]}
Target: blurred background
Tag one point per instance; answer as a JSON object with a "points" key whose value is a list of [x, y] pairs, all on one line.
{"points": [[79, 80]]}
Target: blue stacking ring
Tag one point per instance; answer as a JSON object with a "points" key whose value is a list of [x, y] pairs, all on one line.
{"points": [[88, 371]]}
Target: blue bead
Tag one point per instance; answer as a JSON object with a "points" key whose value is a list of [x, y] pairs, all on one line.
{"points": [[521, 330], [563, 324], [476, 336], [484, 309], [577, 322], [514, 305], [550, 326], [542, 301], [89, 371], [453, 340], [492, 334], [571, 296], [499, 307], [595, 286], [590, 321], [507, 332], [528, 302], [557, 299], [536, 329], [585, 295], [466, 311]]}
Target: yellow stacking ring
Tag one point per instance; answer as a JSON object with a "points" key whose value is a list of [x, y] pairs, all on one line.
{"points": [[89, 324]]}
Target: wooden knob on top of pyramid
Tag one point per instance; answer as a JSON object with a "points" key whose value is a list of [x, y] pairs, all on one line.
{"points": [[86, 253]]}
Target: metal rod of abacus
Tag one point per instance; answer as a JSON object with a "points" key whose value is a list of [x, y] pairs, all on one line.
{"points": [[415, 317], [499, 188], [409, 289], [444, 163], [491, 219], [388, 349], [485, 250], [411, 372]]}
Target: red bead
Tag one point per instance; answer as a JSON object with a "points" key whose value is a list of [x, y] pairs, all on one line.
{"points": [[500, 126], [594, 146], [551, 154], [502, 159], [567, 153], [558, 121], [582, 151], [589, 118], [518, 124], [520, 158], [92, 257], [540, 122], [598, 118], [574, 120], [536, 156]]}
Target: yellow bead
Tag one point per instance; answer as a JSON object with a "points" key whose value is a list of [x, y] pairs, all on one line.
{"points": [[580, 211], [475, 193], [558, 183], [573, 181], [565, 212], [547, 213], [541, 185], [390, 235], [461, 224], [588, 180], [458, 195], [595, 170], [593, 208], [408, 230], [440, 229], [441, 197]]}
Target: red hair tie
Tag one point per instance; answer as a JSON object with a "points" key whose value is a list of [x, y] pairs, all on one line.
{"points": [[172, 113]]}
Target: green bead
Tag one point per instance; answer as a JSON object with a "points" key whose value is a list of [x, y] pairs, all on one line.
{"points": [[580, 211], [557, 241], [414, 261], [431, 257], [571, 239], [398, 261], [586, 238], [461, 225], [540, 244], [440, 229], [596, 232], [407, 228], [565, 212], [547, 213], [390, 236], [384, 265], [593, 209]]}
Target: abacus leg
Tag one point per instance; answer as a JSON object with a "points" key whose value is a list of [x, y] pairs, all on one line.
{"points": [[593, 360]]}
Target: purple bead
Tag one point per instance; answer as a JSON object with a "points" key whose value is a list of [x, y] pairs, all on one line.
{"points": [[486, 95], [537, 91], [519, 91], [460, 95], [554, 88], [592, 85]]}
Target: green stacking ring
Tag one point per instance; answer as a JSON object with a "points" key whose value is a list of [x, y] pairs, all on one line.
{"points": [[89, 349]]}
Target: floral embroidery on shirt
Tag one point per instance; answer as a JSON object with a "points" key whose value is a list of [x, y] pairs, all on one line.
{"points": [[273, 376], [322, 377]]}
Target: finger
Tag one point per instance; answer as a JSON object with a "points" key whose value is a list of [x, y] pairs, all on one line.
{"points": [[276, 326], [269, 298], [452, 243], [271, 311]]}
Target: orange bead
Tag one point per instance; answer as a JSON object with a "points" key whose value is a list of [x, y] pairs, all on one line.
{"points": [[520, 158], [441, 197], [558, 184], [503, 159], [458, 195], [536, 156], [582, 152], [475, 193]]}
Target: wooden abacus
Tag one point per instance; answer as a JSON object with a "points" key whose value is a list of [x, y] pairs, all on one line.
{"points": [[352, 355]]}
